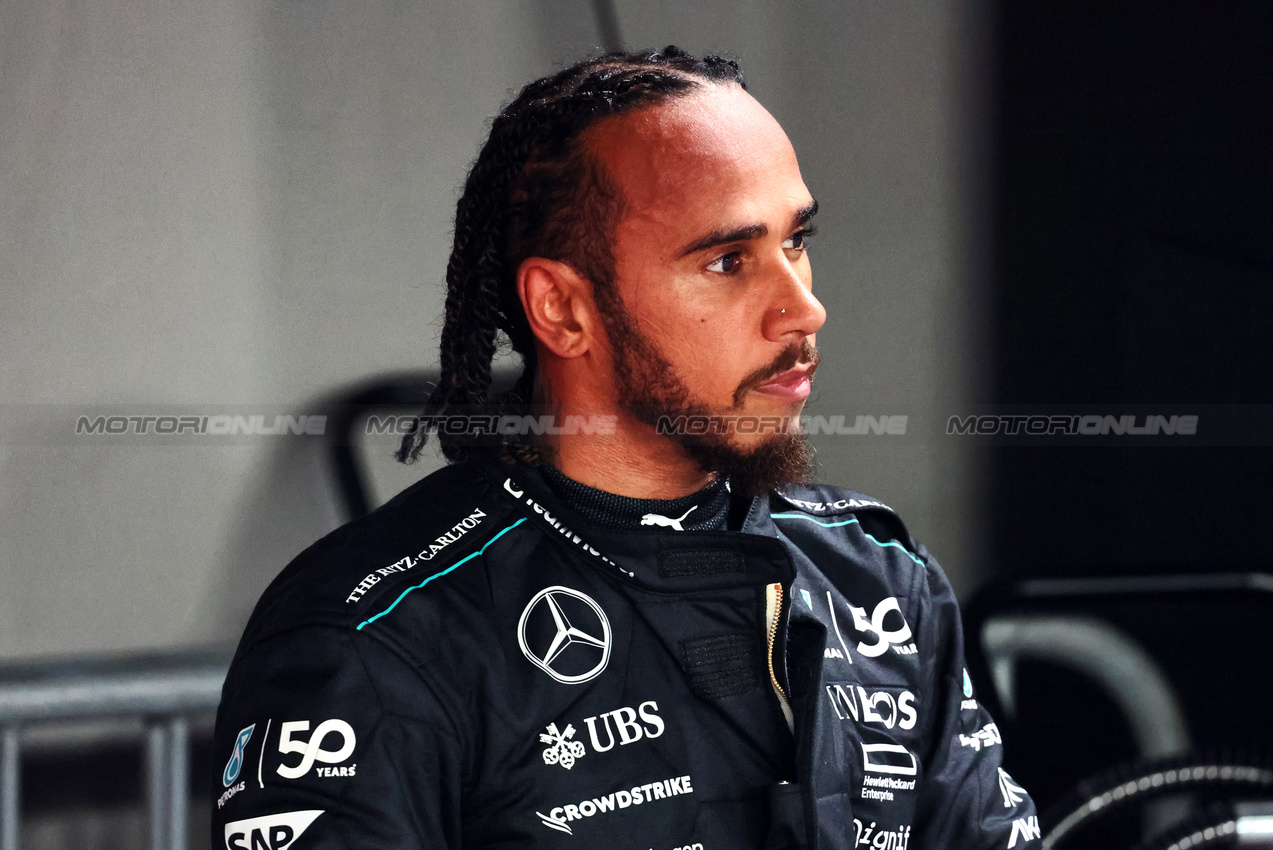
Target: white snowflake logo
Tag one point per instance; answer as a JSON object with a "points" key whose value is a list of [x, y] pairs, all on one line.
{"points": [[561, 749]]}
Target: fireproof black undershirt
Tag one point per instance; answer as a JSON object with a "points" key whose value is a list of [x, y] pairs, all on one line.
{"points": [[706, 510]]}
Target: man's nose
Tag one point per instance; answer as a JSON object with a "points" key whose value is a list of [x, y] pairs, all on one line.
{"points": [[794, 310]]}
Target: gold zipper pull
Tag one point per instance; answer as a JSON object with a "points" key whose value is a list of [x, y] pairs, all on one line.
{"points": [[773, 620]]}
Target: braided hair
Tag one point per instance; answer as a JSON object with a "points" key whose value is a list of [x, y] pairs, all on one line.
{"points": [[535, 191]]}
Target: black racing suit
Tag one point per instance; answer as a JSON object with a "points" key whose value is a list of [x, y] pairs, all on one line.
{"points": [[473, 665]]}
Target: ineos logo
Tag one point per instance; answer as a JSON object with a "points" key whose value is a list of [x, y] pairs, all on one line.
{"points": [[313, 748], [879, 707], [565, 634]]}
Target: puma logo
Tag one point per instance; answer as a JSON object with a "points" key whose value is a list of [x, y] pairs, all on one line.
{"points": [[657, 519]]}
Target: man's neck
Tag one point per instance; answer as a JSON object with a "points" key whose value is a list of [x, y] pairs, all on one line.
{"points": [[633, 461]]}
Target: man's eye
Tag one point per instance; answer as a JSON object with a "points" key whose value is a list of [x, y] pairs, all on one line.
{"points": [[799, 241], [727, 264]]}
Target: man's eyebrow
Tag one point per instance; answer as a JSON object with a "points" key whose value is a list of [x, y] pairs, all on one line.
{"points": [[724, 237], [741, 234]]}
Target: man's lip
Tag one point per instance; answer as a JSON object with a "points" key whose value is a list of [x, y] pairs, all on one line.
{"points": [[795, 384]]}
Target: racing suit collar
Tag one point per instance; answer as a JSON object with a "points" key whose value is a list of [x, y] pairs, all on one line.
{"points": [[657, 558], [705, 509]]}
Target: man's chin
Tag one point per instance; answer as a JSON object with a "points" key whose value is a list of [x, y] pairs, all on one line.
{"points": [[776, 462]]}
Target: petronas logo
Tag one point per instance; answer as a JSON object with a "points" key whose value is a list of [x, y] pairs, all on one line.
{"points": [[235, 764]]}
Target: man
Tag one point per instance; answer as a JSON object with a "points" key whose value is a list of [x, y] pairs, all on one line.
{"points": [[649, 634]]}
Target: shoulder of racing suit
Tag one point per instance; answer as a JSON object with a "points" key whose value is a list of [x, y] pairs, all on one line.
{"points": [[369, 567], [904, 638], [835, 503], [811, 513]]}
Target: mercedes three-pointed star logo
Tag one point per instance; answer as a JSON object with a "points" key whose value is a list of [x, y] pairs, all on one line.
{"points": [[571, 640]]}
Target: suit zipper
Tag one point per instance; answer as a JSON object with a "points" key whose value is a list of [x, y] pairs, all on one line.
{"points": [[773, 621]]}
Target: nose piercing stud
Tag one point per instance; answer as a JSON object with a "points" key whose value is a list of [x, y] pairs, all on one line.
{"points": [[784, 311]]}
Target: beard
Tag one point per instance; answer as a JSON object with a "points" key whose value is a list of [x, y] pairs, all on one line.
{"points": [[650, 389]]}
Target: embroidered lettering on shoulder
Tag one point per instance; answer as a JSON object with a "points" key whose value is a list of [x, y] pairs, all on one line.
{"points": [[470, 522], [837, 505]]}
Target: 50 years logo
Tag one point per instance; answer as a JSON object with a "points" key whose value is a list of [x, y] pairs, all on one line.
{"points": [[312, 750]]}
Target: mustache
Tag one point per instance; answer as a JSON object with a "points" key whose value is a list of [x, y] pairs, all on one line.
{"points": [[804, 353]]}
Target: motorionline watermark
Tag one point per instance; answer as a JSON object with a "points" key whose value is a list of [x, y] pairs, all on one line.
{"points": [[492, 425], [221, 424], [1073, 425], [225, 424], [813, 425], [604, 425], [214, 425]]}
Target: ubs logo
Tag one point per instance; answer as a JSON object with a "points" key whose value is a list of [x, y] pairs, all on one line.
{"points": [[566, 634]]}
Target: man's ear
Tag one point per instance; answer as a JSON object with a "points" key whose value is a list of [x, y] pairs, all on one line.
{"points": [[558, 304]]}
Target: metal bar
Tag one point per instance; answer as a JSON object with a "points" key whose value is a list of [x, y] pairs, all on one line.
{"points": [[1019, 597], [1158, 585], [10, 787], [608, 25], [162, 689], [1106, 655], [158, 788], [178, 782], [118, 694], [1119, 665]]}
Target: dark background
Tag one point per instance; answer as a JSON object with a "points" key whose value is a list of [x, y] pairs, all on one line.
{"points": [[1134, 265]]}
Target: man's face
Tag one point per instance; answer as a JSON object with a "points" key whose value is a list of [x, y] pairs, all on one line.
{"points": [[710, 264]]}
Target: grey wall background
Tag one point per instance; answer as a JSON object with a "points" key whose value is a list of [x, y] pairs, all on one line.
{"points": [[225, 205]]}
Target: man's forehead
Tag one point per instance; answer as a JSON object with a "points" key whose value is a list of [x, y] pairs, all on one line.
{"points": [[703, 152]]}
